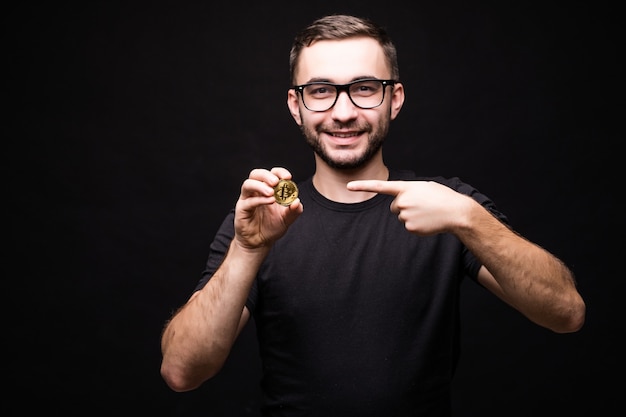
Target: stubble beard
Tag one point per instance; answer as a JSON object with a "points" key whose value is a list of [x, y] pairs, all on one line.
{"points": [[374, 144]]}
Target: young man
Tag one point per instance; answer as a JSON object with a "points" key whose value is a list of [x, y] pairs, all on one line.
{"points": [[354, 286]]}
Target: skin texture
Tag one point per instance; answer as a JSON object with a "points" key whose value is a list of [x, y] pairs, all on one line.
{"points": [[347, 142]]}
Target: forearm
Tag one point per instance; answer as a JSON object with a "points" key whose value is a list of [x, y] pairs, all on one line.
{"points": [[528, 277], [198, 338]]}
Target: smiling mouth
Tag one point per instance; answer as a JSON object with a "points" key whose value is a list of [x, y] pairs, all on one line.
{"points": [[344, 135]]}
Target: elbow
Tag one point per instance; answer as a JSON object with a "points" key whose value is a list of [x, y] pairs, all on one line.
{"points": [[573, 319], [177, 380], [577, 318], [181, 381]]}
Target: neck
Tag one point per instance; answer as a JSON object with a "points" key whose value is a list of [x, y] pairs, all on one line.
{"points": [[331, 182]]}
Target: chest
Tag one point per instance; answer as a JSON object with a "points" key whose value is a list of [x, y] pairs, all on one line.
{"points": [[328, 261]]}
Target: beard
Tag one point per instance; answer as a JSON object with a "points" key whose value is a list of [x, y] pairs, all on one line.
{"points": [[375, 142]]}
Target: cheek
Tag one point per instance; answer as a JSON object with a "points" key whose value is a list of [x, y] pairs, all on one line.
{"points": [[374, 119], [310, 119]]}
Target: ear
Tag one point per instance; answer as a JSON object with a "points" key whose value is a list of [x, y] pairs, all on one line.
{"points": [[294, 108], [397, 99]]}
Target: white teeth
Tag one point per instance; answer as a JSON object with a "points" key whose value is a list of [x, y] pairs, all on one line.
{"points": [[343, 135]]}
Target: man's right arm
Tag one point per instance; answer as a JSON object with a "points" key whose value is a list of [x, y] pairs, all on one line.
{"points": [[198, 338]]}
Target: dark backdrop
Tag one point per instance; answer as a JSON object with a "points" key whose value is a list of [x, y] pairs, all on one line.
{"points": [[131, 125]]}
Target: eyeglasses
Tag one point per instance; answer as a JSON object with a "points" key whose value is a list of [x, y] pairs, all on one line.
{"points": [[365, 94]]}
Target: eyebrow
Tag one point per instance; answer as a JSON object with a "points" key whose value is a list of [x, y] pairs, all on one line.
{"points": [[328, 80]]}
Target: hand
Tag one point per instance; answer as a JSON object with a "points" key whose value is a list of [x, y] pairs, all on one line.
{"points": [[259, 220], [425, 207]]}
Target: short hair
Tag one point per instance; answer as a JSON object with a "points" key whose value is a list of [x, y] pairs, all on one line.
{"points": [[339, 26]]}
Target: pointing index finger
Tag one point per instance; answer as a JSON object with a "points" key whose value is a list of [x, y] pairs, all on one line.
{"points": [[376, 186]]}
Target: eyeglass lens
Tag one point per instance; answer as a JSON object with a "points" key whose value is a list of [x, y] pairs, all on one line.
{"points": [[365, 94]]}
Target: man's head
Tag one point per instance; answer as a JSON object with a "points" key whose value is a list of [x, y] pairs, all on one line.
{"points": [[346, 89]]}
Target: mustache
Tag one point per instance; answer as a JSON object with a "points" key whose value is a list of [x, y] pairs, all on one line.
{"points": [[363, 127]]}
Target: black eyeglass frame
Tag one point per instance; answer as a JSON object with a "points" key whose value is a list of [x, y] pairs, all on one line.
{"points": [[346, 88]]}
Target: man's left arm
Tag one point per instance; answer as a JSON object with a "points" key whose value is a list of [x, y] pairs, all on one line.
{"points": [[521, 273]]}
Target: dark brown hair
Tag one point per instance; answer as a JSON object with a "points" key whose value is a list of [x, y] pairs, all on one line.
{"points": [[338, 26]]}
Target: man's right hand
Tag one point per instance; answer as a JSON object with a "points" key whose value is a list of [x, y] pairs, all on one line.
{"points": [[259, 220]]}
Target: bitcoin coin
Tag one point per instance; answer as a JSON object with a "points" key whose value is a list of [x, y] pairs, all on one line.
{"points": [[285, 192]]}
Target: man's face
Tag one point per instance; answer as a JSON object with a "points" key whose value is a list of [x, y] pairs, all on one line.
{"points": [[345, 136]]}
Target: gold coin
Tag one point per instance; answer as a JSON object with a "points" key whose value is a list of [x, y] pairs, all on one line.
{"points": [[285, 192]]}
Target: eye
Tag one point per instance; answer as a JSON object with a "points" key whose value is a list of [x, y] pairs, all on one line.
{"points": [[365, 88], [320, 90]]}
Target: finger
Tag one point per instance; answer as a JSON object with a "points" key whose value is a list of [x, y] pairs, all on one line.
{"points": [[296, 207], [281, 173], [393, 207], [252, 203], [272, 177], [260, 174], [254, 187], [376, 186]]}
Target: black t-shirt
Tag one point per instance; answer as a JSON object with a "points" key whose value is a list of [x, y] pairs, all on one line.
{"points": [[355, 315]]}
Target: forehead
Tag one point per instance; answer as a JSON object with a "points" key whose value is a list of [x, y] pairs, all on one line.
{"points": [[341, 61]]}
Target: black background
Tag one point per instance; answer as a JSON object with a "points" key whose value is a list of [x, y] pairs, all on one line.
{"points": [[131, 125]]}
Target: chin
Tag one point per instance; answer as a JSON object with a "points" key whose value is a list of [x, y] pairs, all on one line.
{"points": [[346, 163]]}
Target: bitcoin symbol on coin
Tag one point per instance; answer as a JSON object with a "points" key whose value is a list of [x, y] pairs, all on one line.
{"points": [[285, 192]]}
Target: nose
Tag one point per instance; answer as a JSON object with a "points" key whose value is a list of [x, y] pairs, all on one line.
{"points": [[344, 108]]}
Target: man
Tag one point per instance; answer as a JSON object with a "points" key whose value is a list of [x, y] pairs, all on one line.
{"points": [[354, 286]]}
